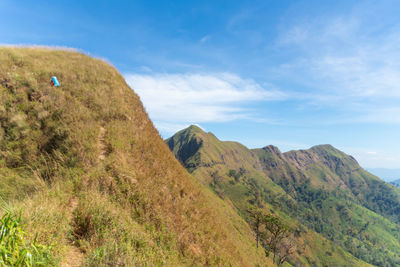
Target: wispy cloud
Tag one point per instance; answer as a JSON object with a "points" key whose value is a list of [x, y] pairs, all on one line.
{"points": [[173, 100], [145, 69], [348, 63], [374, 159], [205, 39]]}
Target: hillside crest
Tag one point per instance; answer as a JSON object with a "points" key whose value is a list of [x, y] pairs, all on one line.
{"points": [[92, 176]]}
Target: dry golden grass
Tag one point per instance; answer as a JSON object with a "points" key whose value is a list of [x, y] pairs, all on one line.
{"points": [[138, 205]]}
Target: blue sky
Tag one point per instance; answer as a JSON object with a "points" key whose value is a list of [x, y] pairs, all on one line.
{"points": [[289, 73]]}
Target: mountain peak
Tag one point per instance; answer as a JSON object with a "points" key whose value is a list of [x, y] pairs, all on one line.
{"points": [[326, 154], [324, 146], [193, 129], [272, 149], [330, 151]]}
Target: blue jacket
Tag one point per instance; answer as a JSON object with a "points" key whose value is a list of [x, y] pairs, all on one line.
{"points": [[55, 81]]}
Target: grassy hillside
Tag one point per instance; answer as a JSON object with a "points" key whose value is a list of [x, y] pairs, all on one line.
{"points": [[91, 176], [322, 192]]}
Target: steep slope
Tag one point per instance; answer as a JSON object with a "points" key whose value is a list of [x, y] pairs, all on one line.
{"points": [[321, 189], [91, 175]]}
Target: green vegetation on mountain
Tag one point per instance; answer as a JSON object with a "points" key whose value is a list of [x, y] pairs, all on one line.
{"points": [[321, 193], [94, 181], [274, 236]]}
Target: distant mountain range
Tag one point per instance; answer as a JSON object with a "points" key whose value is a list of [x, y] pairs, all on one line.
{"points": [[396, 182], [387, 175], [340, 212]]}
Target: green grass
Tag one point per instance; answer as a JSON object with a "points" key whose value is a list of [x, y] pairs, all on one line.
{"points": [[15, 250]]}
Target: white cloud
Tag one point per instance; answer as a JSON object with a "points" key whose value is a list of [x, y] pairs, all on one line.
{"points": [[181, 99]]}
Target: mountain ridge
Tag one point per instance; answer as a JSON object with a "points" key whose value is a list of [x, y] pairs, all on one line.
{"points": [[321, 188]]}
